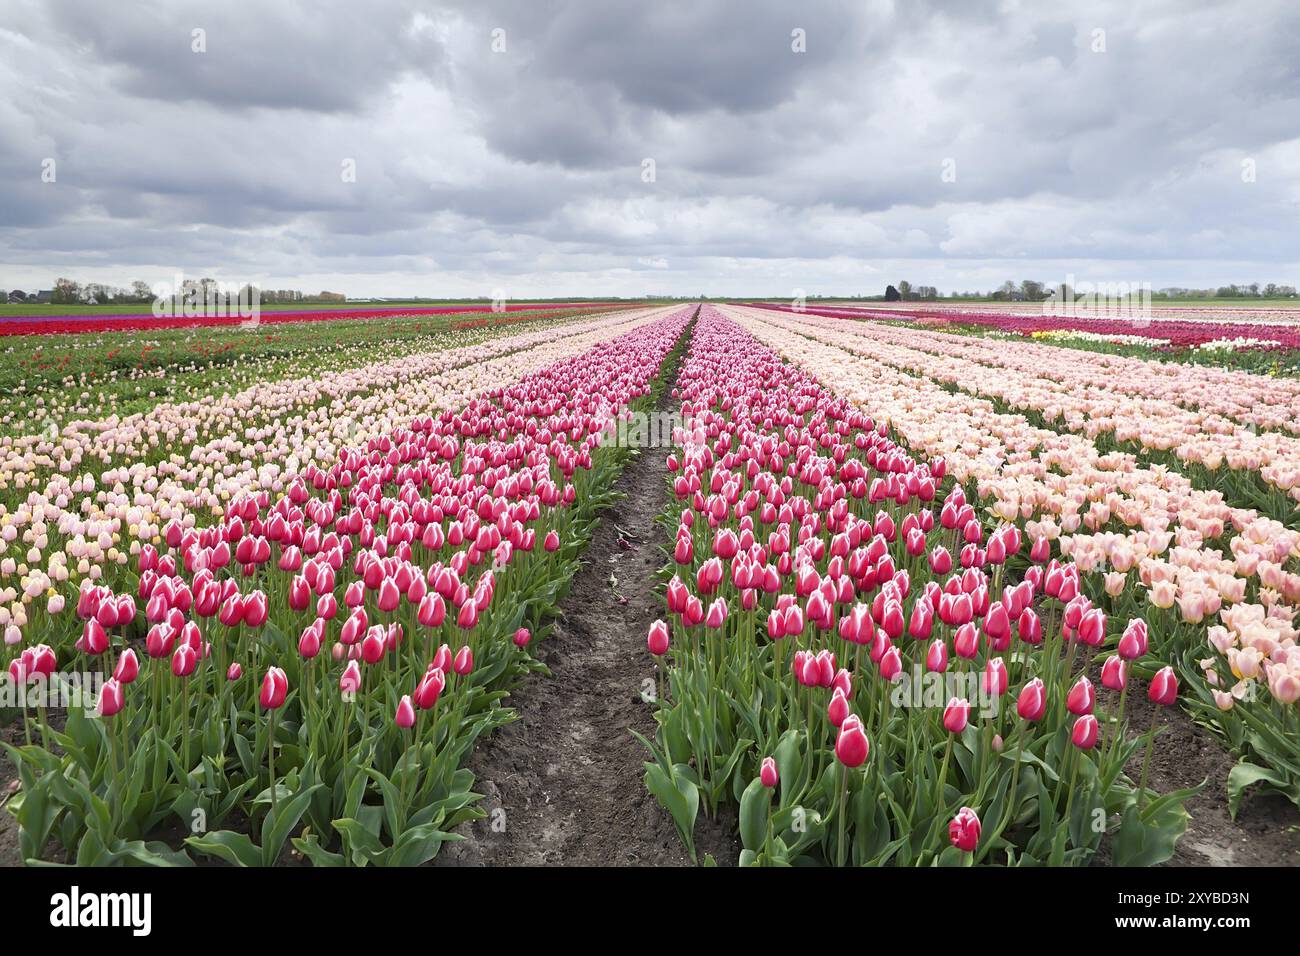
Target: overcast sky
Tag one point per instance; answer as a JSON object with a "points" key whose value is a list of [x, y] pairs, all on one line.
{"points": [[504, 145]]}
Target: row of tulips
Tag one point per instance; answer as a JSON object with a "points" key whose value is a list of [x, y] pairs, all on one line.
{"points": [[314, 667], [1035, 475], [104, 490], [1182, 326], [91, 376], [869, 671], [1212, 424]]}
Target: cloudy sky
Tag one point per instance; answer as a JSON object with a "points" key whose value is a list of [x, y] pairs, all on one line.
{"points": [[625, 147]]}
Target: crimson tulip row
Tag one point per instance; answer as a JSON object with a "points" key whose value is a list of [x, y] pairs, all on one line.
{"points": [[320, 662], [843, 638]]}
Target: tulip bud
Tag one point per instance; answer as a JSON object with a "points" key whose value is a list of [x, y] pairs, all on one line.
{"points": [[1164, 687], [111, 698], [1084, 734], [964, 830], [851, 744], [956, 715], [768, 774], [1081, 698], [350, 681], [1032, 703], [128, 667], [234, 672], [657, 639], [522, 637], [464, 662], [275, 687], [1114, 673], [1134, 642], [405, 716], [838, 709]]}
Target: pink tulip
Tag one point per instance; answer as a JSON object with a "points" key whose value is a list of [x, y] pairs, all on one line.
{"points": [[964, 830], [956, 715], [851, 744], [1164, 687], [657, 639], [275, 687]]}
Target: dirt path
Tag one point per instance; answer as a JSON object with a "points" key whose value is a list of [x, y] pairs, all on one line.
{"points": [[563, 784]]}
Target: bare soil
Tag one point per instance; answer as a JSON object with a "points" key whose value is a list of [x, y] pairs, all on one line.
{"points": [[567, 777], [1267, 829]]}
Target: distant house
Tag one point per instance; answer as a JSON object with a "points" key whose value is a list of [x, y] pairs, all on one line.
{"points": [[17, 295], [45, 296]]}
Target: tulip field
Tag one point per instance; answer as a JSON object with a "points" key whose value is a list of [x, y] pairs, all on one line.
{"points": [[924, 598]]}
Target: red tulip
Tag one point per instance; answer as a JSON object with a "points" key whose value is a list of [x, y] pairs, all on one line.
{"points": [[956, 715], [1029, 627], [464, 662], [522, 637], [768, 774], [234, 671], [184, 660], [1084, 734], [966, 642], [405, 717], [1032, 703], [838, 709], [111, 698], [936, 658], [1092, 627], [1081, 698], [551, 542], [964, 830], [128, 667], [717, 614], [891, 665], [374, 645], [432, 610], [389, 596], [350, 681], [275, 687], [657, 639], [1114, 673], [430, 688], [255, 609], [995, 677], [1164, 687], [851, 745], [1134, 642], [94, 639]]}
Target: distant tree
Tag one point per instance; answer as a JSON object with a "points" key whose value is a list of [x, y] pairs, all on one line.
{"points": [[140, 291], [905, 289], [66, 292], [892, 294], [1032, 290]]}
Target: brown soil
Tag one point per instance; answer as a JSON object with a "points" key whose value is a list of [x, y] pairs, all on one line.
{"points": [[1267, 829], [9, 852], [564, 784]]}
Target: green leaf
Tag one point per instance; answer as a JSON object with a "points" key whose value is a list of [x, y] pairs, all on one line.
{"points": [[234, 848], [277, 826], [1245, 775], [755, 805]]}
